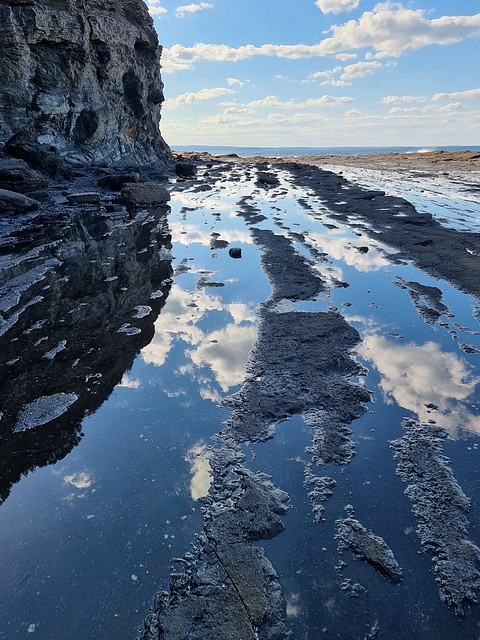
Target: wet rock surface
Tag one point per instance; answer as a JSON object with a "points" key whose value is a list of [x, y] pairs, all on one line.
{"points": [[441, 508], [227, 587], [299, 364], [80, 294], [367, 546]]}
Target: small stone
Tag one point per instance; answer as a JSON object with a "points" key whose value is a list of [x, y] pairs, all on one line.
{"points": [[235, 252], [88, 197]]}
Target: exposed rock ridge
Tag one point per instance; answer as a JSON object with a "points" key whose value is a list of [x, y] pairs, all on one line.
{"points": [[84, 77], [441, 508]]}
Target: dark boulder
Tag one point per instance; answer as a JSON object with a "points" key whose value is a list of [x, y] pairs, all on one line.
{"points": [[16, 202], [42, 157], [185, 170], [16, 175], [116, 181]]}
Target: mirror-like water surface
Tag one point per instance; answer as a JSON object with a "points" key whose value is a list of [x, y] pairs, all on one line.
{"points": [[119, 337]]}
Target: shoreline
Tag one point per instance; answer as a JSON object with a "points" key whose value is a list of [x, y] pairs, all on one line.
{"points": [[432, 162]]}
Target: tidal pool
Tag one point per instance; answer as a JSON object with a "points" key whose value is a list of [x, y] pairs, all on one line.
{"points": [[121, 334]]}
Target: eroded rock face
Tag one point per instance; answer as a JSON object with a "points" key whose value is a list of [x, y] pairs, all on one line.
{"points": [[83, 76]]}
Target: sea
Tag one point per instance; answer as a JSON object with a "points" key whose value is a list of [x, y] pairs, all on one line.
{"points": [[293, 152]]}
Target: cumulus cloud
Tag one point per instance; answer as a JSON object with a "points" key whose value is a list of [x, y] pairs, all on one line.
{"points": [[272, 102], [402, 99], [155, 9], [234, 81], [336, 6], [273, 120], [190, 98], [471, 94], [328, 77], [389, 29], [236, 109], [359, 70], [452, 107], [189, 9], [346, 56]]}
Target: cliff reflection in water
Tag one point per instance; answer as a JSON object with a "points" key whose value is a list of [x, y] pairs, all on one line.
{"points": [[75, 309]]}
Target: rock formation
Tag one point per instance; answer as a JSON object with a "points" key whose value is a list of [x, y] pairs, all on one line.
{"points": [[83, 77]]}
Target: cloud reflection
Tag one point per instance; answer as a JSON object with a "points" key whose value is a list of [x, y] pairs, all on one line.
{"points": [[341, 247], [81, 480], [188, 234], [417, 375], [198, 458], [224, 350], [226, 353]]}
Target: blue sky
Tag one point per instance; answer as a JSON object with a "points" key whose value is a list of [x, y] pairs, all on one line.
{"points": [[320, 72]]}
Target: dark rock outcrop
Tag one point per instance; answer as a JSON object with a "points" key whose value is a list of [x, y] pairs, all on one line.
{"points": [[83, 77]]}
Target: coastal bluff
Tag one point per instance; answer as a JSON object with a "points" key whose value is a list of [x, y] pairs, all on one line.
{"points": [[84, 78]]}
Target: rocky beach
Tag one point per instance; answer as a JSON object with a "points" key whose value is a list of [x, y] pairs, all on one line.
{"points": [[239, 396]]}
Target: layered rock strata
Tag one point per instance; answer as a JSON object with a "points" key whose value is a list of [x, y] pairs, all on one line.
{"points": [[83, 77]]}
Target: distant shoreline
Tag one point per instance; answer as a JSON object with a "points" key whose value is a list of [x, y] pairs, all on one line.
{"points": [[304, 152], [458, 165]]}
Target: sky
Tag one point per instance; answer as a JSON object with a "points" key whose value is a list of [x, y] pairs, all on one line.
{"points": [[317, 73]]}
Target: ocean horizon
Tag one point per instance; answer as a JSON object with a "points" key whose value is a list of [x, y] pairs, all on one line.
{"points": [[292, 152]]}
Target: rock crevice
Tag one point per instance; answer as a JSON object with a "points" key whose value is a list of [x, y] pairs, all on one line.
{"points": [[83, 77]]}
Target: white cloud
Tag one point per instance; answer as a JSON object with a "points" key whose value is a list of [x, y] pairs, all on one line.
{"points": [[359, 70], [346, 56], [402, 99], [353, 113], [224, 351], [452, 107], [155, 9], [189, 9], [236, 109], [129, 383], [389, 29], [471, 94], [190, 98], [336, 6], [328, 74], [233, 81], [272, 102]]}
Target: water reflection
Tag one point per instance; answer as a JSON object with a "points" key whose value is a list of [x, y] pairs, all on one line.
{"points": [[75, 310], [224, 350], [361, 253], [431, 383], [198, 458], [188, 234]]}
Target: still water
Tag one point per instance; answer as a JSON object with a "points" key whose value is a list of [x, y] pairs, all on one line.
{"points": [[121, 333]]}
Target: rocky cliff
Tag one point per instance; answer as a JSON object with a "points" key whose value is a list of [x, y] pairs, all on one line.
{"points": [[82, 76]]}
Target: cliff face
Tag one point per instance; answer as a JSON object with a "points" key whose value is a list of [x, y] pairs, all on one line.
{"points": [[82, 76]]}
